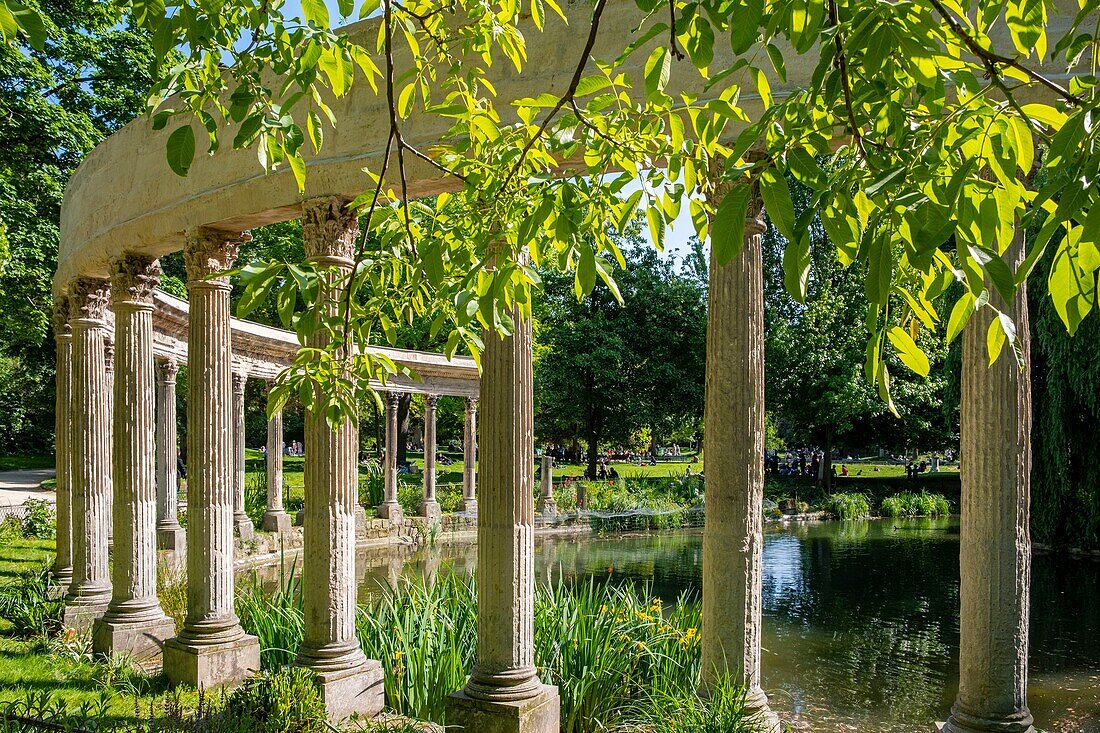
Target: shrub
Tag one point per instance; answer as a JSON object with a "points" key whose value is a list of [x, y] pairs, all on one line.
{"points": [[27, 605], [39, 520], [847, 506], [721, 711], [282, 701], [909, 504]]}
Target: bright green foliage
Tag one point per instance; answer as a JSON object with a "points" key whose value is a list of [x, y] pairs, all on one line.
{"points": [[602, 370], [847, 506], [610, 650], [909, 504], [284, 701]]}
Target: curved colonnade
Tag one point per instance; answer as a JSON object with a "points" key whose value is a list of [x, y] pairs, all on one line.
{"points": [[124, 208]]}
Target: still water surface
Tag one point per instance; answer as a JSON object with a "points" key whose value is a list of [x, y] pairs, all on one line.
{"points": [[861, 623]]}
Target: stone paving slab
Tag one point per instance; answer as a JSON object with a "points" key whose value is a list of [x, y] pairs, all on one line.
{"points": [[17, 487]]}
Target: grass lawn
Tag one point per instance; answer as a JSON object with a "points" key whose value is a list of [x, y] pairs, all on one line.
{"points": [[23, 463], [61, 667]]}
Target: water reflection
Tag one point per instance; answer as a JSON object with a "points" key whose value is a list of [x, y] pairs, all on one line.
{"points": [[860, 618]]}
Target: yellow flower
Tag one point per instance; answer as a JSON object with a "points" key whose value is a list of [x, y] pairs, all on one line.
{"points": [[398, 654]]}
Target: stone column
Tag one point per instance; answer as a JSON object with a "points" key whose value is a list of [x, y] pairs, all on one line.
{"points": [[89, 475], [995, 539], [504, 692], [733, 534], [109, 367], [242, 525], [469, 458], [547, 505], [390, 508], [170, 535], [349, 682], [275, 517], [63, 338], [134, 625], [212, 649], [430, 506]]}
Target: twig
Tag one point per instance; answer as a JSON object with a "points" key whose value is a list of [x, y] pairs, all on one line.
{"points": [[845, 82], [673, 47], [570, 92], [991, 59]]}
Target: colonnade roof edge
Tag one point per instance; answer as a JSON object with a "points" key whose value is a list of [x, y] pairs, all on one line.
{"points": [[263, 352]]}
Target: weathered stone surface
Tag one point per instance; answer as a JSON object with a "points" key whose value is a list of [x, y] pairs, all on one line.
{"points": [[390, 508], [212, 648], [348, 681], [170, 535], [469, 458], [134, 622], [538, 714], [242, 525], [89, 410], [505, 670], [429, 507], [733, 535], [63, 338], [547, 505], [211, 665], [995, 539], [275, 518]]}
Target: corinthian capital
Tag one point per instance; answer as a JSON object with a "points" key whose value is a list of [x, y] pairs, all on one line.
{"points": [[61, 328], [329, 229], [208, 252], [89, 298], [134, 278]]}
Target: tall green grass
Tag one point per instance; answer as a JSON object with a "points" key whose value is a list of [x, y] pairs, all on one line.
{"points": [[609, 649], [847, 506], [910, 504]]}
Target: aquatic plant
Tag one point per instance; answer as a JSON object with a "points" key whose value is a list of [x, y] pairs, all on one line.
{"points": [[910, 504], [847, 506], [606, 647], [27, 605]]}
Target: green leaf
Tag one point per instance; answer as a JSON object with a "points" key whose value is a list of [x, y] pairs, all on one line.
{"points": [[181, 149], [657, 68], [910, 354], [960, 315], [745, 31], [656, 227], [994, 339], [796, 268], [880, 271], [727, 235], [316, 12], [777, 202]]}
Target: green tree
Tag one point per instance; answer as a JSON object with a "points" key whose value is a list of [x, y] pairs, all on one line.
{"points": [[604, 370], [56, 103]]}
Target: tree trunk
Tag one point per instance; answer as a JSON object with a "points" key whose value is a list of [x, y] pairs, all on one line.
{"points": [[593, 442]]}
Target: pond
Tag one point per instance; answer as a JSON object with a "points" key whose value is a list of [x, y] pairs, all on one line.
{"points": [[860, 618]]}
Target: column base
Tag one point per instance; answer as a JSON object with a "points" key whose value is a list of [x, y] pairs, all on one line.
{"points": [[243, 527], [360, 690], [391, 511], [964, 722], [211, 665], [361, 521], [172, 538], [431, 511], [277, 521], [540, 714], [548, 506], [142, 640], [469, 506], [83, 606]]}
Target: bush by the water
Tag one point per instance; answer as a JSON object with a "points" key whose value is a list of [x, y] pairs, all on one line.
{"points": [[847, 506], [612, 651], [910, 504]]}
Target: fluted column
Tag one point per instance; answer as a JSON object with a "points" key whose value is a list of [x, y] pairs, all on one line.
{"points": [[469, 458], [170, 535], [733, 536], [348, 681], [429, 507], [212, 649], [109, 371], [390, 508], [63, 338], [89, 475], [242, 525], [547, 504], [504, 683], [995, 539], [134, 625], [275, 517]]}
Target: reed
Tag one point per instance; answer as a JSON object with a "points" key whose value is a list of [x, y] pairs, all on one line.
{"points": [[847, 506], [910, 504]]}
